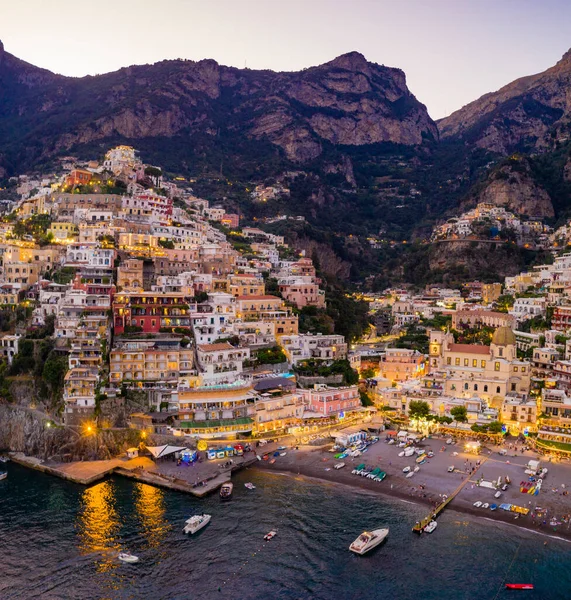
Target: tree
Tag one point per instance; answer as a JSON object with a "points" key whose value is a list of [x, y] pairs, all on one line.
{"points": [[365, 398], [418, 409], [495, 427], [460, 414]]}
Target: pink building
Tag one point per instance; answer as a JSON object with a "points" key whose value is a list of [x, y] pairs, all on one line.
{"points": [[231, 220], [302, 291], [328, 401]]}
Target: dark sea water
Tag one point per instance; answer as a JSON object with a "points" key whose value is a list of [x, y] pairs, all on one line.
{"points": [[60, 540]]}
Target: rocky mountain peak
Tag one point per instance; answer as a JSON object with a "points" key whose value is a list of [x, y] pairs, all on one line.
{"points": [[565, 60], [352, 61]]}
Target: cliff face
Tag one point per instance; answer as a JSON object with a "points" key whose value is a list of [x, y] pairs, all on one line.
{"points": [[347, 101], [527, 114], [512, 187]]}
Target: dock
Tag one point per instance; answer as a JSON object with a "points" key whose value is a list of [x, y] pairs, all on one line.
{"points": [[420, 525]]}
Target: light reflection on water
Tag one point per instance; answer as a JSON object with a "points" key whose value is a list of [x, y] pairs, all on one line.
{"points": [[150, 511], [98, 525]]}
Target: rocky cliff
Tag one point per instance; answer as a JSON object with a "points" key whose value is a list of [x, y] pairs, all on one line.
{"points": [[512, 187], [530, 113], [348, 101]]}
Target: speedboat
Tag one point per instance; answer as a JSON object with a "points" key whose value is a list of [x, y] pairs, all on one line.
{"points": [[416, 469], [477, 504], [283, 453], [128, 558], [226, 490], [401, 453], [3, 476], [250, 486], [519, 586], [493, 506], [270, 536], [485, 505], [282, 448], [368, 540], [410, 474], [431, 527], [195, 523], [406, 470]]}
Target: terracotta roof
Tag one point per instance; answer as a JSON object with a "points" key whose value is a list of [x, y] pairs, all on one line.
{"points": [[469, 348], [264, 297], [216, 347]]}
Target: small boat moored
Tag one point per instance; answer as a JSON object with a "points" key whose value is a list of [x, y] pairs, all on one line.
{"points": [[196, 523], [4, 459], [519, 586], [3, 476], [250, 486], [430, 527], [128, 558], [477, 504], [368, 540], [226, 490], [271, 535]]}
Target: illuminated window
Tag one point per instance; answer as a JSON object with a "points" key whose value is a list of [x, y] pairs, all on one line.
{"points": [[457, 362], [448, 361], [474, 362], [496, 366], [483, 363], [466, 362]]}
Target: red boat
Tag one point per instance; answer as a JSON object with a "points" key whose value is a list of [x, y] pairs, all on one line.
{"points": [[519, 586]]}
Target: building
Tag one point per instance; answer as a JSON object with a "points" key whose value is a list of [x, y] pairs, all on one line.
{"points": [[221, 363], [491, 292], [150, 312], [321, 347], [478, 318], [130, 275], [221, 410], [400, 364], [561, 318], [520, 416], [246, 284], [527, 308], [324, 401], [277, 411], [301, 291], [9, 346], [489, 372]]}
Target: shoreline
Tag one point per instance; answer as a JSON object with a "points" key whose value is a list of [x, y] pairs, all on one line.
{"points": [[457, 505]]}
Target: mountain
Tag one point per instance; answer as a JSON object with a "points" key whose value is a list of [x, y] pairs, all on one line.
{"points": [[345, 102], [529, 114]]}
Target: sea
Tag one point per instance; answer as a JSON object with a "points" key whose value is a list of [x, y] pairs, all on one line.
{"points": [[60, 540]]}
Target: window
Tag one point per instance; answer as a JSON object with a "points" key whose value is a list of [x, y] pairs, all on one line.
{"points": [[501, 350], [475, 387], [466, 362], [496, 366], [474, 362], [457, 362], [515, 369], [513, 387], [498, 389], [465, 386], [448, 361], [523, 369], [485, 388]]}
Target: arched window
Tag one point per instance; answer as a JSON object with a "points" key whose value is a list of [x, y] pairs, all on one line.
{"points": [[485, 388], [475, 387], [465, 386], [498, 390]]}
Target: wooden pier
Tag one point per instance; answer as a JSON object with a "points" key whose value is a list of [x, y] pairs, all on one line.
{"points": [[420, 525]]}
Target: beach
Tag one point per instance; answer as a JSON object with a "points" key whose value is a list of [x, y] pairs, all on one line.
{"points": [[433, 480]]}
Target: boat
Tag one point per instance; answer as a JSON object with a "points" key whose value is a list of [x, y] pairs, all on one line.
{"points": [[4, 459], [401, 453], [282, 448], [485, 505], [493, 506], [283, 453], [519, 586], [270, 536], [368, 540], [128, 558], [477, 504], [196, 523], [226, 490], [250, 486], [406, 470], [416, 469], [430, 527], [272, 461], [3, 476], [410, 474]]}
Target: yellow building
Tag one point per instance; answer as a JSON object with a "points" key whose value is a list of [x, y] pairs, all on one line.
{"points": [[63, 231], [489, 372], [246, 284], [491, 292], [277, 413], [130, 275]]}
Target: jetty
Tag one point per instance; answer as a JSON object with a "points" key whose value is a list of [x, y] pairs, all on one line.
{"points": [[420, 525]]}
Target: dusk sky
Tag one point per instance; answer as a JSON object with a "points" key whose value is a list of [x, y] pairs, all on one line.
{"points": [[452, 51]]}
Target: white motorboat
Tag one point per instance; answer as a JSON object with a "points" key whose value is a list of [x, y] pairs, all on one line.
{"points": [[410, 474], [416, 469], [283, 453], [485, 505], [431, 527], [406, 470], [3, 476], [477, 504], [196, 523], [401, 453], [409, 452], [250, 486], [128, 558], [368, 540], [270, 536]]}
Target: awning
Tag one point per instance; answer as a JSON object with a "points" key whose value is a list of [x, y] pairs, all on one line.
{"points": [[160, 451]]}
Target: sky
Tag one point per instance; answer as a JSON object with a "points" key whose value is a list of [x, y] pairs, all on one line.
{"points": [[452, 51]]}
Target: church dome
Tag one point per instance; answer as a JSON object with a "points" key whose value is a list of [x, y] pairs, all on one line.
{"points": [[503, 336]]}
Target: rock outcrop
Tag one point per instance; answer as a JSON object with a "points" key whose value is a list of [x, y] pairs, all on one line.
{"points": [[512, 187], [348, 101], [530, 113]]}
